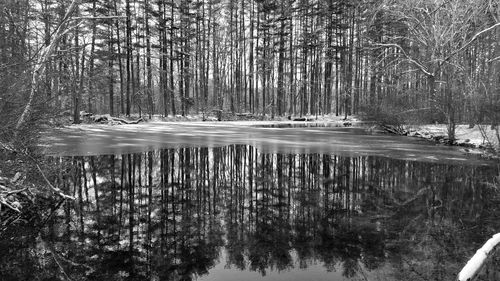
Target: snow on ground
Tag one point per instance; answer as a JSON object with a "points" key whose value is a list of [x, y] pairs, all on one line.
{"points": [[480, 136], [212, 122]]}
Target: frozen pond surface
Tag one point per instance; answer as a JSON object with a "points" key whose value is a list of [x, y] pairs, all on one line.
{"points": [[270, 137]]}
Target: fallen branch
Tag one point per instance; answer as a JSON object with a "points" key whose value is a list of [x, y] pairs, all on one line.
{"points": [[8, 221], [126, 121], [60, 266], [6, 147], [397, 130], [54, 189], [474, 265], [15, 192], [413, 110], [5, 203], [109, 118], [52, 212]]}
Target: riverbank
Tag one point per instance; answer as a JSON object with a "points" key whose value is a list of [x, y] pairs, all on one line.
{"points": [[106, 119], [476, 139]]}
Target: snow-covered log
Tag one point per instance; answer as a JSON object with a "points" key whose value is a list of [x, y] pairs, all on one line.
{"points": [[106, 118], [474, 265]]}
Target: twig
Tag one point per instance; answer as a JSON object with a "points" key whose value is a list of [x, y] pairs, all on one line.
{"points": [[410, 59], [52, 212], [472, 40], [98, 18], [53, 251], [5, 203], [10, 221], [15, 192], [59, 264], [55, 189], [412, 269]]}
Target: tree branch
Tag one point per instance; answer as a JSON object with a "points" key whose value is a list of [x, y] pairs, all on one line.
{"points": [[98, 18], [471, 41], [54, 189], [410, 59], [493, 59]]}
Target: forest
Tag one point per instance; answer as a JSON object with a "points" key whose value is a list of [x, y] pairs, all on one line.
{"points": [[398, 60], [179, 201]]}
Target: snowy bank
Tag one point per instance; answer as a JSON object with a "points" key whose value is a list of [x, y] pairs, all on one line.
{"points": [[479, 136]]}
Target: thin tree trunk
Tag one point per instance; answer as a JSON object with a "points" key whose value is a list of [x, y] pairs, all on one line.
{"points": [[172, 89], [120, 64], [91, 59], [149, 88], [41, 63], [129, 55], [111, 71], [281, 63]]}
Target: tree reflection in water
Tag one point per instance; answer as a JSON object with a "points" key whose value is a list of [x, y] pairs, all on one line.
{"points": [[174, 214]]}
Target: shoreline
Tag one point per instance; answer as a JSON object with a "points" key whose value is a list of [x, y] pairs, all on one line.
{"points": [[479, 139]]}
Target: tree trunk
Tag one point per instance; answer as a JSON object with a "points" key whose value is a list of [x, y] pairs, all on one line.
{"points": [[41, 63], [172, 87], [91, 59], [149, 87], [281, 63], [120, 64], [129, 56], [110, 72]]}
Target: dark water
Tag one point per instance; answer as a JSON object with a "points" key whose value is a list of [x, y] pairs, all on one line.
{"points": [[236, 213], [197, 201]]}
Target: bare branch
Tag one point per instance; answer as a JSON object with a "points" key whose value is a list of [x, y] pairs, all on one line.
{"points": [[10, 193], [97, 18], [471, 41], [410, 59], [439, 7], [493, 59], [8, 205], [54, 189]]}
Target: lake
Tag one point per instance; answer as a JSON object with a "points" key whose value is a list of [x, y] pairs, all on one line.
{"points": [[240, 202]]}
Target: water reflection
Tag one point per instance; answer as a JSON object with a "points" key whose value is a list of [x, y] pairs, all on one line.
{"points": [[195, 213]]}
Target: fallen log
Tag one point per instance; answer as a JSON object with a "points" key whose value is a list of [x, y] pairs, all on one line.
{"points": [[397, 130], [106, 118], [123, 121], [303, 119], [474, 265]]}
